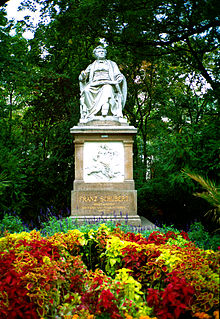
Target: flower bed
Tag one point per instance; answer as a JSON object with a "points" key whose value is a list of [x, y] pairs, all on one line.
{"points": [[106, 274]]}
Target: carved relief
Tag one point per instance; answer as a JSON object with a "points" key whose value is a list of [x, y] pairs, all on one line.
{"points": [[103, 162]]}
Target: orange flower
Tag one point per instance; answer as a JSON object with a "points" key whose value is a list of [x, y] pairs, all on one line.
{"points": [[147, 317], [202, 315], [216, 314]]}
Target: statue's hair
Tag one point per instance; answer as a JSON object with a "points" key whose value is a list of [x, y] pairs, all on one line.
{"points": [[99, 47]]}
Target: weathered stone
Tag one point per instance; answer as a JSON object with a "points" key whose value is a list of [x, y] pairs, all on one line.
{"points": [[104, 184]]}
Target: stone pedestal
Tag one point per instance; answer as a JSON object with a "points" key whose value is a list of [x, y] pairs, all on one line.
{"points": [[104, 185]]}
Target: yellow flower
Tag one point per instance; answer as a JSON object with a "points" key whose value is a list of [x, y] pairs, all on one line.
{"points": [[132, 288], [46, 260]]}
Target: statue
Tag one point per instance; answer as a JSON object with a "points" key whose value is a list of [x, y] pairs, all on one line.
{"points": [[103, 88]]}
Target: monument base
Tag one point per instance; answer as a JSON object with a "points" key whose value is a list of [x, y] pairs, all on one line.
{"points": [[105, 204], [104, 187], [104, 120], [127, 220]]}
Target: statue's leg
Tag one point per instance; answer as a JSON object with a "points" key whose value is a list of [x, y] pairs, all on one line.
{"points": [[116, 108], [107, 98], [105, 109], [91, 95]]}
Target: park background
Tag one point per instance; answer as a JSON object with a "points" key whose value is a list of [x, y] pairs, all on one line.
{"points": [[168, 52]]}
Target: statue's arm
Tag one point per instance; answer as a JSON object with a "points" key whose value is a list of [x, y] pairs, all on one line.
{"points": [[119, 77], [84, 74], [117, 74], [122, 83]]}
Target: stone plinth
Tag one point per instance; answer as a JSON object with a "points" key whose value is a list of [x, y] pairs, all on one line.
{"points": [[104, 185]]}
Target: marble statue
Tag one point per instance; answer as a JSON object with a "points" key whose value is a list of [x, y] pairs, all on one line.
{"points": [[103, 88]]}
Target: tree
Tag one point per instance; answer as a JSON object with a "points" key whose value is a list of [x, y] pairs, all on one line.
{"points": [[2, 2], [13, 72], [34, 135], [168, 53], [187, 30]]}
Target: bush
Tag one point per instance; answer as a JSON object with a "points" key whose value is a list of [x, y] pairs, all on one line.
{"points": [[12, 224], [202, 238]]}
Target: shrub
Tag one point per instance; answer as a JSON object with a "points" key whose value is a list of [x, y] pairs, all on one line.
{"points": [[12, 224], [202, 238]]}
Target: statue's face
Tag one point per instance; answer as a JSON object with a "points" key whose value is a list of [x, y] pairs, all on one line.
{"points": [[100, 53]]}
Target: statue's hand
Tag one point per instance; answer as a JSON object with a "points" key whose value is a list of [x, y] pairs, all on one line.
{"points": [[82, 76], [119, 78]]}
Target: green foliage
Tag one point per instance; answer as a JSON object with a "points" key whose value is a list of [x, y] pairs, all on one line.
{"points": [[166, 228], [3, 182], [12, 224], [211, 194], [54, 225], [167, 191], [14, 197], [202, 238]]}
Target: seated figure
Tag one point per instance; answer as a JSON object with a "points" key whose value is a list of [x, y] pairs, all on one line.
{"points": [[103, 88]]}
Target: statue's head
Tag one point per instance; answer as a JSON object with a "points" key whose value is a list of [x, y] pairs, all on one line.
{"points": [[99, 52]]}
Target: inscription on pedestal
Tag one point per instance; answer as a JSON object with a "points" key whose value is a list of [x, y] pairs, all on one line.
{"points": [[104, 203], [107, 202]]}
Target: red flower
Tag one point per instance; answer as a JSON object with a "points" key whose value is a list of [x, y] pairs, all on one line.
{"points": [[173, 301], [106, 304]]}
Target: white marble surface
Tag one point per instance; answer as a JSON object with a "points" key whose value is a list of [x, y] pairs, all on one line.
{"points": [[84, 129], [103, 162], [103, 88]]}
